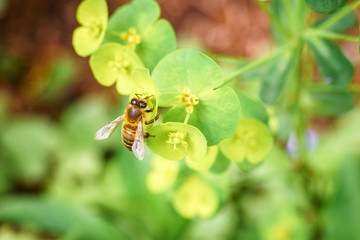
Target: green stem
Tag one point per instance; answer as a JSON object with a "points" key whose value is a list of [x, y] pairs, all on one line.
{"points": [[300, 124], [274, 19], [187, 117], [299, 14], [116, 34], [339, 15], [330, 35], [255, 64], [227, 59], [302, 169], [354, 88], [288, 11]]}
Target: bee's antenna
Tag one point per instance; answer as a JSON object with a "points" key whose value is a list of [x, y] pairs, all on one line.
{"points": [[148, 97], [137, 95]]}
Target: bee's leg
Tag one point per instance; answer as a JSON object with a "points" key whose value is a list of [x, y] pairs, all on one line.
{"points": [[153, 120], [148, 97], [149, 110], [147, 135]]}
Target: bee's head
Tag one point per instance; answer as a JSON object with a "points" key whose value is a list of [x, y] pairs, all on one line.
{"points": [[138, 102]]}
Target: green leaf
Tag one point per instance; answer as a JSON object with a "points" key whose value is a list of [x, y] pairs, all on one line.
{"points": [[329, 102], [344, 23], [84, 118], [325, 6], [340, 215], [29, 142], [185, 68], [189, 72], [56, 218], [137, 14], [342, 140], [251, 108], [157, 38], [335, 68], [275, 78], [287, 19], [112, 63], [174, 141], [221, 163], [61, 73], [157, 42], [216, 115], [92, 15], [252, 140]]}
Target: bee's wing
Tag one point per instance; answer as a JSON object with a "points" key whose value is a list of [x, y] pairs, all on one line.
{"points": [[108, 129], [138, 146]]}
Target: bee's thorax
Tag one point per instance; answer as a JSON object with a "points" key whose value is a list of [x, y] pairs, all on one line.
{"points": [[133, 114]]}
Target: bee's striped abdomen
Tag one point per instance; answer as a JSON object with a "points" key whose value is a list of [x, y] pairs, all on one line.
{"points": [[128, 135]]}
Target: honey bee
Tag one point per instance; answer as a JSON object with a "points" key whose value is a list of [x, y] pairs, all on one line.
{"points": [[132, 130]]}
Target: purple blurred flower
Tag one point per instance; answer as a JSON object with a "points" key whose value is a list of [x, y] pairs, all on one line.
{"points": [[311, 142]]}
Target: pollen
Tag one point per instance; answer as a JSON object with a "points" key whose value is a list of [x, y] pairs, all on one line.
{"points": [[189, 99], [132, 38], [177, 138]]}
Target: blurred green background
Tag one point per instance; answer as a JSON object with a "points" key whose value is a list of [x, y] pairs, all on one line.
{"points": [[56, 182]]}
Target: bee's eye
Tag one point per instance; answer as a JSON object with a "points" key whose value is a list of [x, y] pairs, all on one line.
{"points": [[133, 101], [142, 104]]}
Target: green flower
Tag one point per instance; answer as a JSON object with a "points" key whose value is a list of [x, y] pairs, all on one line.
{"points": [[174, 141], [93, 17], [252, 141], [162, 175], [191, 83], [195, 198], [114, 63], [137, 26]]}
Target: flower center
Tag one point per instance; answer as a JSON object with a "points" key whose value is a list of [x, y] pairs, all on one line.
{"points": [[119, 64], [245, 137], [177, 138], [94, 29], [189, 99], [132, 38]]}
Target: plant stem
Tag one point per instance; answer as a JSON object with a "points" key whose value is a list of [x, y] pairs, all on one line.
{"points": [[275, 19], [338, 15], [187, 118], [353, 88], [303, 169], [227, 59], [289, 11], [330, 35], [255, 64], [115, 34]]}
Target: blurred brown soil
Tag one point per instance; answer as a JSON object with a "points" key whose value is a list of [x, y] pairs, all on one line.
{"points": [[229, 27]]}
